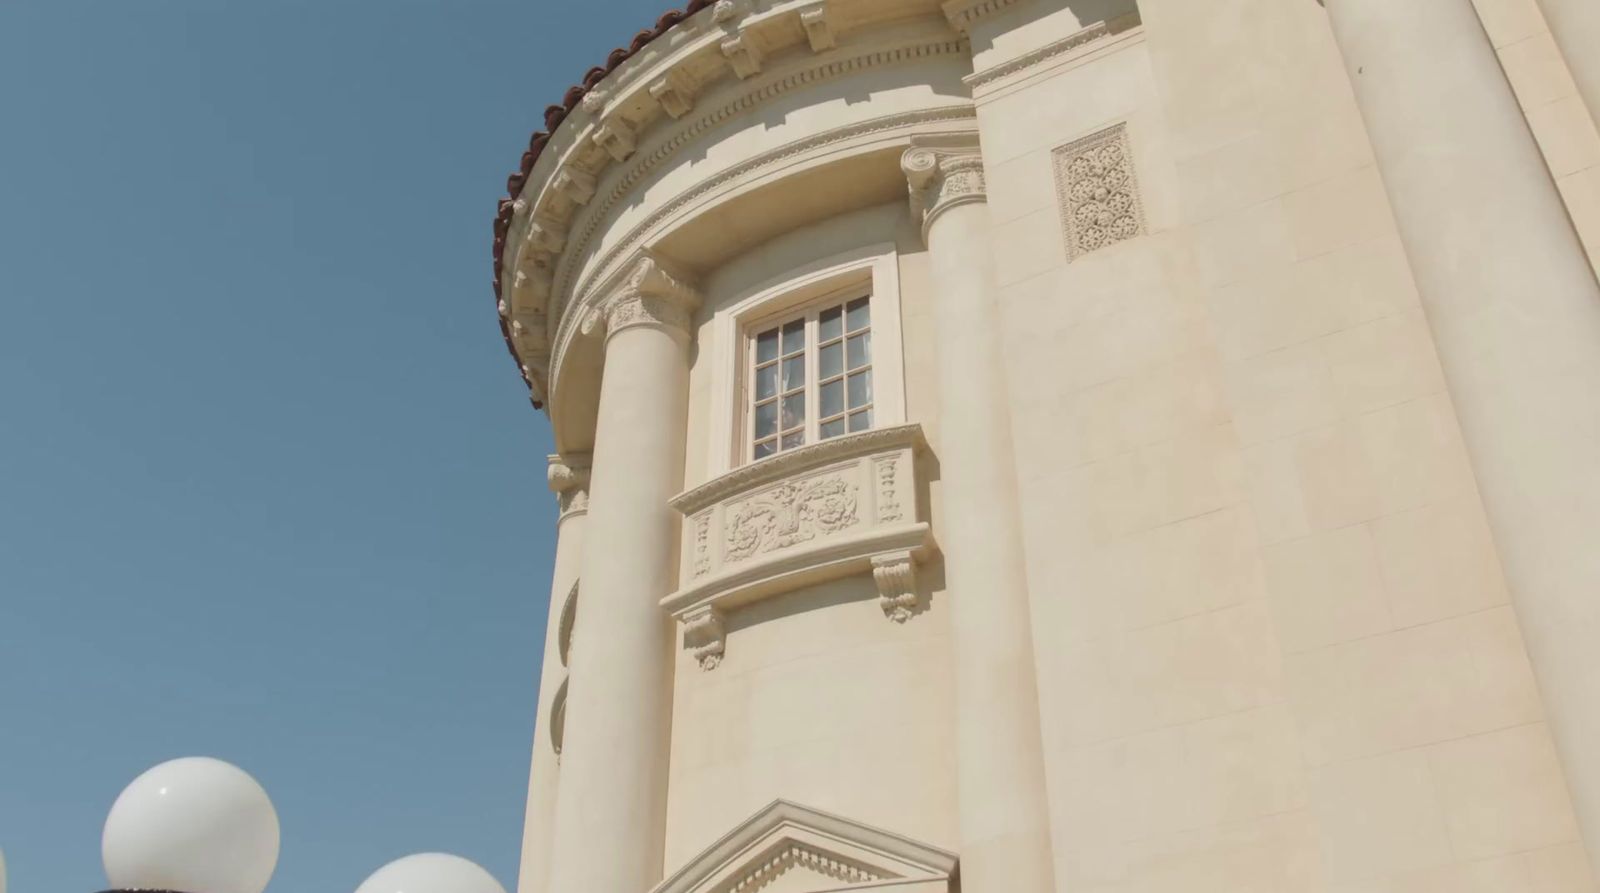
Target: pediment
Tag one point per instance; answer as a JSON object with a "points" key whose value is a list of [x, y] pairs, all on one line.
{"points": [[789, 848]]}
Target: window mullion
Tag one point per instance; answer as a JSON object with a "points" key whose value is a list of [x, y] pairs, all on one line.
{"points": [[813, 410]]}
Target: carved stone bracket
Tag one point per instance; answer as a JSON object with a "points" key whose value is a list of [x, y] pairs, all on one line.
{"points": [[837, 508], [569, 480], [744, 54], [705, 636], [819, 28], [895, 574], [942, 172]]}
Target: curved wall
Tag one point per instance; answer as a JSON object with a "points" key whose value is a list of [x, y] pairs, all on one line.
{"points": [[1274, 645]]}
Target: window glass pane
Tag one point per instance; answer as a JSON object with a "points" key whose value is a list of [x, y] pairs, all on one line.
{"points": [[794, 410], [831, 401], [833, 428], [766, 448], [860, 389], [860, 313], [767, 346], [794, 372], [794, 336], [766, 381], [831, 325], [861, 421], [832, 360], [767, 419], [860, 350], [790, 441]]}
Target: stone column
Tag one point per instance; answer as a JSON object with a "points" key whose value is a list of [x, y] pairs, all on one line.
{"points": [[1575, 24], [569, 479], [1515, 313], [1004, 817], [611, 803]]}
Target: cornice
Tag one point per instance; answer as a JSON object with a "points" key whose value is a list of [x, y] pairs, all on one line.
{"points": [[776, 468], [1095, 33], [609, 120]]}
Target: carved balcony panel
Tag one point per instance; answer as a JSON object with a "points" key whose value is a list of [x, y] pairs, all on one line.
{"points": [[846, 506]]}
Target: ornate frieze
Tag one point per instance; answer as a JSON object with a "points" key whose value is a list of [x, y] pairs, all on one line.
{"points": [[792, 512], [569, 480], [844, 506], [1098, 190], [942, 172]]}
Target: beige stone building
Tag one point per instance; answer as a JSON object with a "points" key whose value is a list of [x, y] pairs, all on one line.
{"points": [[1070, 445]]}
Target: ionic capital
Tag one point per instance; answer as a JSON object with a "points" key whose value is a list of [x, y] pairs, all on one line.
{"points": [[942, 172], [648, 295], [569, 480]]}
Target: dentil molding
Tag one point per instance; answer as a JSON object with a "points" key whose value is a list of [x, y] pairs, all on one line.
{"points": [[843, 506]]}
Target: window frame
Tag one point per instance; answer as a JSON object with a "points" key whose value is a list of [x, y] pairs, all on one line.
{"points": [[809, 315], [873, 272]]}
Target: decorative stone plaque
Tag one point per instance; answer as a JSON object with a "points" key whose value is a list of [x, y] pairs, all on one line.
{"points": [[1098, 191]]}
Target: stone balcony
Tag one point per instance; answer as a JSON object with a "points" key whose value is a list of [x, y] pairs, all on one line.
{"points": [[849, 505]]}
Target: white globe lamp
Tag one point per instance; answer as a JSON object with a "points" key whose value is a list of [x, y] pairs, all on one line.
{"points": [[431, 873], [194, 825]]}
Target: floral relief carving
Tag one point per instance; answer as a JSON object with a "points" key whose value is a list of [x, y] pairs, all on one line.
{"points": [[888, 502], [793, 512], [1098, 191], [702, 544]]}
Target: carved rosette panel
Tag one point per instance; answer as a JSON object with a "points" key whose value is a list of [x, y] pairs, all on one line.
{"points": [[836, 508], [1098, 190], [792, 512]]}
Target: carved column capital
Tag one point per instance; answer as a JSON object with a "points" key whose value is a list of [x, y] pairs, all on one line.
{"points": [[649, 294], [569, 480], [943, 172]]}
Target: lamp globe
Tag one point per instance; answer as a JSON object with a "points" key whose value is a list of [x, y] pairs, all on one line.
{"points": [[431, 873], [192, 825]]}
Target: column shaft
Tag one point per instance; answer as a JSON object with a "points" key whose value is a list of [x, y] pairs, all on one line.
{"points": [[1575, 24], [1515, 313], [1004, 815], [570, 480], [611, 803]]}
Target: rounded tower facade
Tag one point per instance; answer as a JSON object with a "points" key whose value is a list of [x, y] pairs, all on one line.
{"points": [[1032, 445]]}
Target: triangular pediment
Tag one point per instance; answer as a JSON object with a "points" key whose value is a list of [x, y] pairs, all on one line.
{"points": [[789, 848]]}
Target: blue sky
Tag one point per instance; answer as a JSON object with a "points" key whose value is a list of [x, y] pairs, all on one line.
{"points": [[270, 489]]}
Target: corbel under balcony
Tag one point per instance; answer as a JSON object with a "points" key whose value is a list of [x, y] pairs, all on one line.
{"points": [[832, 509]]}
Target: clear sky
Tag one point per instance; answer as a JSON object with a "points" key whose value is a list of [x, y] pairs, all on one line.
{"points": [[270, 488]]}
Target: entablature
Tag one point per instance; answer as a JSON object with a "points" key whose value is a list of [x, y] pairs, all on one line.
{"points": [[650, 106], [850, 505]]}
